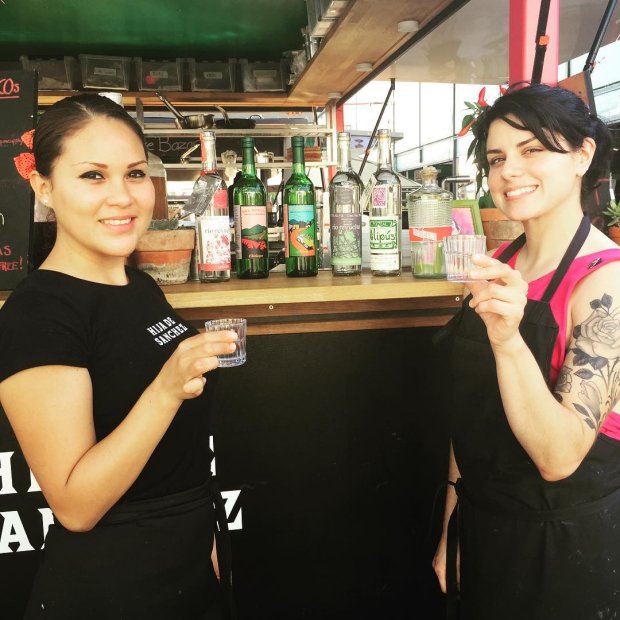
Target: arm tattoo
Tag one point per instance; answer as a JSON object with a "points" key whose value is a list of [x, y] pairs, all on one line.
{"points": [[595, 369]]}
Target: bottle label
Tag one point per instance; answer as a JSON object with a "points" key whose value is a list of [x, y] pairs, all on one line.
{"points": [[429, 233], [384, 240], [220, 199], [214, 248], [251, 230], [343, 196], [346, 238], [380, 197], [300, 223]]}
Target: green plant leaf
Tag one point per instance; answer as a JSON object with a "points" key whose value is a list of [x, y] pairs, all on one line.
{"points": [[471, 148], [466, 120]]}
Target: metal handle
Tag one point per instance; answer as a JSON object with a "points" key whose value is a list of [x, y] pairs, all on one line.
{"points": [[167, 103], [185, 156]]}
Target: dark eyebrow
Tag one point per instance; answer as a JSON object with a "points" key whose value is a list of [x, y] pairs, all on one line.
{"points": [[98, 165], [520, 144]]}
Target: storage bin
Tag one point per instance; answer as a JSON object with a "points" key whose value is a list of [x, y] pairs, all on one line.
{"points": [[107, 72], [159, 74], [332, 8], [54, 73], [211, 75], [318, 25], [263, 76]]}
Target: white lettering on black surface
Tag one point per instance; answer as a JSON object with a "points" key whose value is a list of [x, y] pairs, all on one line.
{"points": [[166, 330]]}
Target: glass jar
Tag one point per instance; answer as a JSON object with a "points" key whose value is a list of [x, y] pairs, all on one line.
{"points": [[430, 220]]}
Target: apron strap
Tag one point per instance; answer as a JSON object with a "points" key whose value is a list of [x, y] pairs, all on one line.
{"points": [[511, 250], [573, 249], [223, 548]]}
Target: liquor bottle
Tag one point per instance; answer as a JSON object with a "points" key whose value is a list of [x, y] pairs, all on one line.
{"points": [[250, 209], [385, 213], [231, 213], [345, 216], [430, 220], [300, 236], [212, 217]]}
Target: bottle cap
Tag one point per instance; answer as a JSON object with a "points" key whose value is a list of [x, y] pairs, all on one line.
{"points": [[428, 172]]}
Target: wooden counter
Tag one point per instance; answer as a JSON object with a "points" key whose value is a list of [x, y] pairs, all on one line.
{"points": [[281, 305]]}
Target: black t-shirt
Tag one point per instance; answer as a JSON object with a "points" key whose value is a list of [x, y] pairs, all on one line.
{"points": [[122, 335]]}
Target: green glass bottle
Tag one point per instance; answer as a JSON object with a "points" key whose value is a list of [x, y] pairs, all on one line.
{"points": [[250, 210], [300, 234]]}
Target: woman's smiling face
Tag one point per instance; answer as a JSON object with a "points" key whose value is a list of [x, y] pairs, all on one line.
{"points": [[100, 190], [526, 179]]}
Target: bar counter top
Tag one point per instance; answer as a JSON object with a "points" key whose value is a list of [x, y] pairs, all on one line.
{"points": [[279, 304]]}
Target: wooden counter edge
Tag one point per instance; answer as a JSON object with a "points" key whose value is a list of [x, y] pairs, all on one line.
{"points": [[280, 289]]}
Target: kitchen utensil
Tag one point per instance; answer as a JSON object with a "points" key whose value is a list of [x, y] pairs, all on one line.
{"points": [[233, 123], [140, 112], [191, 121]]}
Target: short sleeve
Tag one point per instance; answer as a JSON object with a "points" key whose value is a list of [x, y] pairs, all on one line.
{"points": [[40, 329]]}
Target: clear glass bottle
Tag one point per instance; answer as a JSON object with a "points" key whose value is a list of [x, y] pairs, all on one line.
{"points": [[345, 216], [250, 209], [300, 235], [212, 218], [385, 213], [430, 220]]}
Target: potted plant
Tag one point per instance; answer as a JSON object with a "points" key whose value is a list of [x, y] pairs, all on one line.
{"points": [[497, 228], [613, 226], [165, 251]]}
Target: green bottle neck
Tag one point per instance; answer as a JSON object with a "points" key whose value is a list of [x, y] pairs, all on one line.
{"points": [[248, 167], [299, 165]]}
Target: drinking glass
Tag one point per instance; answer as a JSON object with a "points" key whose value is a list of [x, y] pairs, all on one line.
{"points": [[458, 250], [238, 356]]}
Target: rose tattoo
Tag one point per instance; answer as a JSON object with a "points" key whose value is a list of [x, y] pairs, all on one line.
{"points": [[597, 356]]}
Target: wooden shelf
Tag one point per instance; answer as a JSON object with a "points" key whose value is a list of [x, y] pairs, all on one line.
{"points": [[366, 32], [260, 131], [194, 164], [198, 100]]}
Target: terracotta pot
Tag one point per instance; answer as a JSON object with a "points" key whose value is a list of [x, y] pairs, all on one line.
{"points": [[614, 233], [498, 228], [165, 254]]}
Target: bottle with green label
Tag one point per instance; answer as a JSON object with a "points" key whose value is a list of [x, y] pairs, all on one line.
{"points": [[250, 210], [300, 234], [212, 217], [345, 216], [385, 213]]}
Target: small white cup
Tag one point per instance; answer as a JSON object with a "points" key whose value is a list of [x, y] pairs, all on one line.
{"points": [[458, 250], [238, 356], [114, 96]]}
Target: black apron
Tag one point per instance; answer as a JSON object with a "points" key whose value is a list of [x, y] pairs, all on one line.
{"points": [[147, 559], [529, 549]]}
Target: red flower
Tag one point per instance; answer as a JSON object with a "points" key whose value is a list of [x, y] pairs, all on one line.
{"points": [[27, 138], [481, 102], [25, 164], [503, 90]]}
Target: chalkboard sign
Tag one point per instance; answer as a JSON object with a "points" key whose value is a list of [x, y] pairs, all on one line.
{"points": [[18, 105]]}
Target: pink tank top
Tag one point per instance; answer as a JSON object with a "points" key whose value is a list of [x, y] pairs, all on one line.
{"points": [[581, 267]]}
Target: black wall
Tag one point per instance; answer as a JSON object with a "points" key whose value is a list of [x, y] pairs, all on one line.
{"points": [[337, 442]]}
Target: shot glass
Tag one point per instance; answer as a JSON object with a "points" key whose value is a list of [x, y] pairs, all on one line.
{"points": [[427, 259], [238, 356], [458, 250]]}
